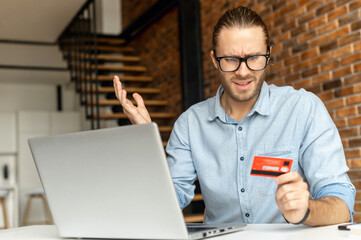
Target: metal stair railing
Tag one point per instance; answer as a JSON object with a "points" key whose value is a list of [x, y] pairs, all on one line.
{"points": [[78, 43]]}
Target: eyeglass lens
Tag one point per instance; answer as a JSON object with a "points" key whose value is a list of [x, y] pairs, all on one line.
{"points": [[255, 63]]}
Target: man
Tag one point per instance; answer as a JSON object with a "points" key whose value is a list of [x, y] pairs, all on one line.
{"points": [[217, 140]]}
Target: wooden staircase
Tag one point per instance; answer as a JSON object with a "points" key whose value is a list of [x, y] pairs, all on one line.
{"points": [[113, 57]]}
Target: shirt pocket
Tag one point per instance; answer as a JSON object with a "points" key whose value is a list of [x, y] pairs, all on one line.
{"points": [[266, 186]]}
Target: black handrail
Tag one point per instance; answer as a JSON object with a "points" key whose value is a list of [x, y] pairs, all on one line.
{"points": [[79, 44]]}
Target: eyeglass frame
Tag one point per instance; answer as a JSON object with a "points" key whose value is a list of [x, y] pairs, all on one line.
{"points": [[240, 60]]}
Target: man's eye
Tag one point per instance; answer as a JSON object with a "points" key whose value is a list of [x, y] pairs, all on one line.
{"points": [[253, 58], [231, 60]]}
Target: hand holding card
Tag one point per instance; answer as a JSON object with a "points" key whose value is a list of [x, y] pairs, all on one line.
{"points": [[270, 166]]}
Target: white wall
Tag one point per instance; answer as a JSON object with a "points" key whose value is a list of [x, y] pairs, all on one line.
{"points": [[109, 19]]}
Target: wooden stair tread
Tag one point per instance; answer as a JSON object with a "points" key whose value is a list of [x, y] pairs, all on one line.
{"points": [[114, 48], [116, 102], [198, 197], [108, 57], [111, 40], [165, 128], [126, 78], [123, 116], [118, 58], [129, 90], [121, 68], [198, 217]]}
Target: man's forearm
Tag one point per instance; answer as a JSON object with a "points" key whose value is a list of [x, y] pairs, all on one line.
{"points": [[327, 211]]}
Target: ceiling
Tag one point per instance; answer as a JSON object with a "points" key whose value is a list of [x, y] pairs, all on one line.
{"points": [[36, 20]]}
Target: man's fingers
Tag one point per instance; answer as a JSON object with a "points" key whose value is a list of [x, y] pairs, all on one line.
{"points": [[139, 100], [288, 177]]}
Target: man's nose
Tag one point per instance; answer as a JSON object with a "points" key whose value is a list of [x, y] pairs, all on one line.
{"points": [[243, 70]]}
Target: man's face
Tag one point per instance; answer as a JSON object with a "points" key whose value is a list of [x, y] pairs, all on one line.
{"points": [[243, 84]]}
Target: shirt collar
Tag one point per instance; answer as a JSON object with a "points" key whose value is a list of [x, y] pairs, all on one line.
{"points": [[262, 105]]}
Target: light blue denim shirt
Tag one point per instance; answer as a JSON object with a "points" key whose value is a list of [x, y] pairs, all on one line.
{"points": [[284, 122]]}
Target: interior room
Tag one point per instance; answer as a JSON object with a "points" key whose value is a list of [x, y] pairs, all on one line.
{"points": [[58, 59]]}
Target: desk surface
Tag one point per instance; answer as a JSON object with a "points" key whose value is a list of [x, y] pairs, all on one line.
{"points": [[252, 232]]}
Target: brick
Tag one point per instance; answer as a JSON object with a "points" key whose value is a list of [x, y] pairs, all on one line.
{"points": [[319, 40], [329, 66], [342, 72], [340, 32], [354, 174], [355, 142], [307, 36], [352, 79], [302, 84], [349, 18], [315, 89], [301, 66], [344, 91], [354, 121], [289, 26], [325, 96], [354, 99], [282, 37], [335, 103], [357, 46], [331, 85], [355, 163], [298, 30], [319, 59], [357, 206], [292, 60], [356, 26], [357, 67], [342, 51], [320, 78], [351, 59], [355, 5], [337, 13], [350, 132], [310, 72], [325, 8], [306, 17], [357, 87], [328, 27], [357, 217], [353, 153], [328, 46], [349, 38], [358, 197], [318, 21], [357, 184], [310, 53], [288, 8], [313, 5], [293, 78], [299, 48], [301, 2], [345, 143], [347, 111]]}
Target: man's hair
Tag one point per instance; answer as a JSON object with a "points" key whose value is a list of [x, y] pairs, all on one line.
{"points": [[240, 17]]}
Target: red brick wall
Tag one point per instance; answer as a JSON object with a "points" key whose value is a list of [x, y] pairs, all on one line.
{"points": [[317, 46]]}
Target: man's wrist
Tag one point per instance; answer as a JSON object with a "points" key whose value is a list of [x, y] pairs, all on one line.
{"points": [[302, 220]]}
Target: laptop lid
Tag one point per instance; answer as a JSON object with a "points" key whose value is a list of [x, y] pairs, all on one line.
{"points": [[109, 183]]}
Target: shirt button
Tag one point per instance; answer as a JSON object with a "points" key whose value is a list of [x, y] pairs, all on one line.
{"points": [[239, 128], [247, 214], [241, 158], [243, 190]]}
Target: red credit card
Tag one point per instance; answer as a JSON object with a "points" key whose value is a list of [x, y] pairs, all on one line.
{"points": [[270, 166]]}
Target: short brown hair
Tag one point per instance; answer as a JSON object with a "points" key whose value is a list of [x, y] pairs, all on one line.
{"points": [[242, 17]]}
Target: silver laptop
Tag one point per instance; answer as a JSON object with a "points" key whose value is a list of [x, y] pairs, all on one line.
{"points": [[113, 183]]}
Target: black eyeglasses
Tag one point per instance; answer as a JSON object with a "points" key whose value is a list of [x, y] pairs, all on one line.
{"points": [[254, 62]]}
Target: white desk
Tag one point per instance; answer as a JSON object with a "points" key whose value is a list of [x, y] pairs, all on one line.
{"points": [[252, 232]]}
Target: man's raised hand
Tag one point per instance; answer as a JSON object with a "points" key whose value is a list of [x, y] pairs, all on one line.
{"points": [[136, 114]]}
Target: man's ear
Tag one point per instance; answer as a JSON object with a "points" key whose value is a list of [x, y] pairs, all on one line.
{"points": [[213, 57]]}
